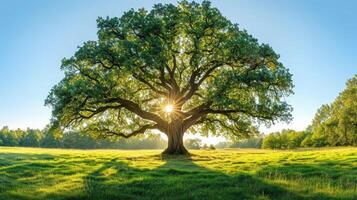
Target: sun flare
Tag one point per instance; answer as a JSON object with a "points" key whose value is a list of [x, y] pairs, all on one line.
{"points": [[169, 108]]}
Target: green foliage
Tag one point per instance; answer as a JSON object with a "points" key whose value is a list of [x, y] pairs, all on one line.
{"points": [[220, 79], [221, 145], [286, 139], [75, 140], [254, 142], [51, 139], [211, 146], [335, 124], [42, 174], [28, 138], [272, 141], [193, 143]]}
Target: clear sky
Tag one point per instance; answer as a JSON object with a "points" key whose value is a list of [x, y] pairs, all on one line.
{"points": [[317, 41]]}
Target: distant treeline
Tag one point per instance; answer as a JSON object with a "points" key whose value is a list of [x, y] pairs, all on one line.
{"points": [[288, 139], [291, 139], [254, 142], [46, 138]]}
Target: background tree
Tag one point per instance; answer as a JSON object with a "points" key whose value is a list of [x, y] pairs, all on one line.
{"points": [[222, 145], [8, 137], [286, 139], [193, 143], [272, 141], [30, 137], [50, 138], [175, 69], [336, 124], [253, 142]]}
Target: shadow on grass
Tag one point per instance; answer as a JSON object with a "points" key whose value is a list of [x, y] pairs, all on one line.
{"points": [[333, 177], [178, 178]]}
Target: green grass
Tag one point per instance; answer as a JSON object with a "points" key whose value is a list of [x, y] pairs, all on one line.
{"points": [[29, 173]]}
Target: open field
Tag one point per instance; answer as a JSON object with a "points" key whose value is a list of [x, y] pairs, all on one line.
{"points": [[29, 173]]}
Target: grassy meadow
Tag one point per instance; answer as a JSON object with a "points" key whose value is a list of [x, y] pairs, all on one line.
{"points": [[30, 173]]}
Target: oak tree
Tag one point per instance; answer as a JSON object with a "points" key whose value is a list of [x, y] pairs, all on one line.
{"points": [[175, 68]]}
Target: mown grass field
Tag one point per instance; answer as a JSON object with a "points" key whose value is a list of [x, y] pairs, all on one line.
{"points": [[29, 173]]}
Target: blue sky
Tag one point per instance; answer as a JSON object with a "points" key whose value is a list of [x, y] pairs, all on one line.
{"points": [[317, 41]]}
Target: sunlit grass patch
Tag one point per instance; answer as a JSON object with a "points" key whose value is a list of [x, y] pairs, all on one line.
{"points": [[29, 173]]}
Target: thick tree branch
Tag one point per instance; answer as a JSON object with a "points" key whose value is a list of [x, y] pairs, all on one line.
{"points": [[250, 113], [147, 83], [105, 132], [79, 116], [135, 108], [96, 111], [196, 114], [192, 87]]}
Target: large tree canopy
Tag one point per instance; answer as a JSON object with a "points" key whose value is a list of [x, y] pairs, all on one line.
{"points": [[217, 78]]}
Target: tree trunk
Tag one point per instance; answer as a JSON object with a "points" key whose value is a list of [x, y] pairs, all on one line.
{"points": [[175, 140]]}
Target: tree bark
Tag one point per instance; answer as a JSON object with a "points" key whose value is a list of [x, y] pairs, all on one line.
{"points": [[175, 139]]}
